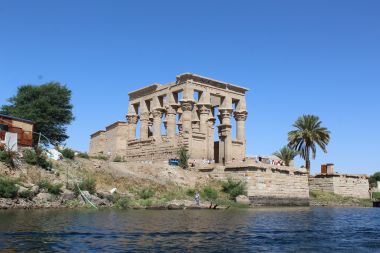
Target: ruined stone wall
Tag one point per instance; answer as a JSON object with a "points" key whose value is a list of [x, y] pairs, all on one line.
{"points": [[238, 151], [270, 185], [342, 184], [97, 143], [116, 139]]}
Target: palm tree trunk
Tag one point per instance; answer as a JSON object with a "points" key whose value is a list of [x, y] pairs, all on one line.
{"points": [[307, 165]]}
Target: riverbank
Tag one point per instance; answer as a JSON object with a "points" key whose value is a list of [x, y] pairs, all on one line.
{"points": [[137, 186]]}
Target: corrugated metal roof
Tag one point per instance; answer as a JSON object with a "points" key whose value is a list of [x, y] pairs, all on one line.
{"points": [[15, 118]]}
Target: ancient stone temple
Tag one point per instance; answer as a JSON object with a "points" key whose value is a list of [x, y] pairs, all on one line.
{"points": [[186, 113]]}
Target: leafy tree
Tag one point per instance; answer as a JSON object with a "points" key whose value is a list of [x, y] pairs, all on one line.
{"points": [[307, 136], [47, 105], [286, 154], [374, 179], [183, 158]]}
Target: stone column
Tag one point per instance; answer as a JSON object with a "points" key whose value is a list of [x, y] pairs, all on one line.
{"points": [[144, 120], [171, 114], [132, 123], [225, 135], [240, 118], [187, 105], [204, 114], [157, 120], [210, 134]]}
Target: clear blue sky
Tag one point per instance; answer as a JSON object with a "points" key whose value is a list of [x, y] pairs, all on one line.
{"points": [[297, 57]]}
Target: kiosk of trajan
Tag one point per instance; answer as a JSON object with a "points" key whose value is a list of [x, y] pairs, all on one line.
{"points": [[189, 113]]}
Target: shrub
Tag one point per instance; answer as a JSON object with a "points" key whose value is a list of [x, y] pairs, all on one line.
{"points": [[190, 192], [8, 188], [123, 202], [183, 158], [9, 157], [83, 155], [100, 157], [51, 188], [118, 159], [87, 184], [146, 193], [28, 194], [234, 188], [376, 195], [37, 157], [68, 153], [209, 193]]}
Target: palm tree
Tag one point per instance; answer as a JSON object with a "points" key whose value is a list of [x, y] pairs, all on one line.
{"points": [[286, 154], [307, 136]]}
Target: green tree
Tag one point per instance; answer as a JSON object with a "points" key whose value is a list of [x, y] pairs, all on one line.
{"points": [[286, 154], [47, 105], [183, 158], [374, 179], [307, 136]]}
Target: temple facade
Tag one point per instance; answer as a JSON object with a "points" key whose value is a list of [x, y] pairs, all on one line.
{"points": [[189, 113]]}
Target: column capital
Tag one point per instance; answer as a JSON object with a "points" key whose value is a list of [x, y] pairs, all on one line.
{"points": [[157, 113], [204, 108], [144, 116], [187, 105], [132, 118], [225, 113], [241, 115], [172, 109]]}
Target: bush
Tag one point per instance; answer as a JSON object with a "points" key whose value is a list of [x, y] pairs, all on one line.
{"points": [[183, 158], [118, 159], [9, 157], [28, 194], [68, 153], [87, 184], [190, 192], [123, 203], [376, 195], [146, 193], [8, 188], [37, 157], [51, 188], [234, 188], [209, 193], [100, 157], [83, 155]]}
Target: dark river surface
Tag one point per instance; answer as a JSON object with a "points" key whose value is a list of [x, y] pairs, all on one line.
{"points": [[242, 230]]}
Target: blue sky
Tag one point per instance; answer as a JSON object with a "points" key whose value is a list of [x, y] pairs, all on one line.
{"points": [[297, 57]]}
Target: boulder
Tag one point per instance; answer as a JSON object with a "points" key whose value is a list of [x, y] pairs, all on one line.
{"points": [[68, 195], [242, 199], [35, 189], [21, 188], [43, 197], [175, 207]]}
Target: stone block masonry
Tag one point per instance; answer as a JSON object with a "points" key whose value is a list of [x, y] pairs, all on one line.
{"points": [[349, 185], [269, 185]]}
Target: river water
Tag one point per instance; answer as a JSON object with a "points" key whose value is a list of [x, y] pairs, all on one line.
{"points": [[242, 230]]}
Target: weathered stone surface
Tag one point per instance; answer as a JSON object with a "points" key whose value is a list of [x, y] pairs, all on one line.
{"points": [[43, 197], [68, 195], [242, 199], [342, 184]]}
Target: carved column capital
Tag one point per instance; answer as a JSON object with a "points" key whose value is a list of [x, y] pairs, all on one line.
{"points": [[225, 113], [241, 116], [204, 108], [171, 109], [132, 118], [187, 105], [157, 113]]}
